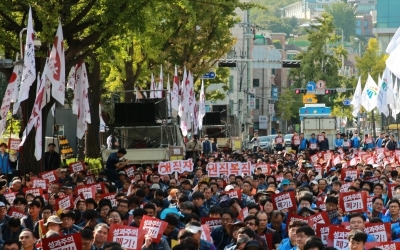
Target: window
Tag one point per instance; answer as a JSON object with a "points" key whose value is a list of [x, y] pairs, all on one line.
{"points": [[256, 82], [231, 84], [257, 103]]}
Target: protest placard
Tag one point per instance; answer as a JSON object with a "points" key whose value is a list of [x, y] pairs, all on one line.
{"points": [[286, 200], [353, 202], [75, 167], [211, 222], [337, 237], [153, 227], [130, 238], [51, 176], [63, 242]]}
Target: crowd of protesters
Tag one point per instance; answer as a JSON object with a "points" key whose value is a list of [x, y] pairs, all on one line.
{"points": [[185, 200]]}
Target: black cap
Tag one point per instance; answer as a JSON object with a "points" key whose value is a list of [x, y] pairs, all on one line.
{"points": [[3, 183]]}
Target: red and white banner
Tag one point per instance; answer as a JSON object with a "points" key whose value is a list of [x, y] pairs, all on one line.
{"points": [[286, 200], [217, 169], [64, 203], [63, 242], [129, 238], [34, 191], [51, 176], [234, 194], [153, 227], [10, 196], [352, 173], [10, 96], [14, 212], [206, 233], [56, 67], [179, 166], [40, 182], [337, 237], [76, 167], [381, 231], [29, 69], [353, 202], [78, 81], [175, 91], [13, 144], [322, 231], [211, 222], [111, 197], [383, 245], [87, 191]]}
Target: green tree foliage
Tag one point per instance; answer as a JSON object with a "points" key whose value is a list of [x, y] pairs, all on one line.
{"points": [[289, 104], [372, 62], [343, 18], [321, 60]]}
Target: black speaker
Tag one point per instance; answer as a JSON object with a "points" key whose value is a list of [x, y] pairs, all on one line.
{"points": [[212, 118], [129, 114]]}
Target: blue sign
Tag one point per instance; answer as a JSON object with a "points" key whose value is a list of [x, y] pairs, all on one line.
{"points": [[346, 102], [209, 75], [315, 111], [311, 86], [274, 93]]}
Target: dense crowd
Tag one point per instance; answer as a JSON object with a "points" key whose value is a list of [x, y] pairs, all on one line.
{"points": [[282, 204]]}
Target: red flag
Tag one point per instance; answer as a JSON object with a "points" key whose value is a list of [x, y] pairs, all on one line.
{"points": [[56, 72], [175, 91]]}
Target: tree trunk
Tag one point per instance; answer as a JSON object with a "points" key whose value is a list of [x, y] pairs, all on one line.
{"points": [[130, 78], [92, 142]]}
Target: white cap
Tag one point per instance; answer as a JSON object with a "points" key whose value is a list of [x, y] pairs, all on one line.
{"points": [[229, 187]]}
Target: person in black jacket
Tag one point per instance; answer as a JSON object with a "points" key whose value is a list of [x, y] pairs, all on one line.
{"points": [[52, 159]]}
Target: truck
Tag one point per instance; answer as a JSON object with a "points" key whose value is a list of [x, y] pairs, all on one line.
{"points": [[315, 118]]}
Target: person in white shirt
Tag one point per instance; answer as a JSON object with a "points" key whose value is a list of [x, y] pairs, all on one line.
{"points": [[256, 142], [112, 141]]}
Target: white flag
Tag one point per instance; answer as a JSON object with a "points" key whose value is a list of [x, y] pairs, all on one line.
{"points": [[394, 42], [29, 70], [395, 107], [382, 93], [56, 67], [38, 137], [175, 91], [356, 102], [8, 95], [36, 111], [78, 81], [393, 62], [152, 87], [184, 105], [168, 97], [160, 87], [369, 95], [202, 106]]}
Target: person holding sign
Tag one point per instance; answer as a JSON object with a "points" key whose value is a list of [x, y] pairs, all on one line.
{"points": [[323, 143], [357, 222], [368, 142], [256, 142], [313, 144], [338, 143], [279, 142], [295, 142], [193, 148]]}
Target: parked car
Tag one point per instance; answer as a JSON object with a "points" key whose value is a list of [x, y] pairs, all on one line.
{"points": [[267, 142], [288, 140]]}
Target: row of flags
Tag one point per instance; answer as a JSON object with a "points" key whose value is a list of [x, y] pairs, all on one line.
{"points": [[181, 99], [385, 96], [51, 83]]}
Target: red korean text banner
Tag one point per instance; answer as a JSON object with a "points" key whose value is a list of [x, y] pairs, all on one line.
{"points": [[87, 191], [75, 167], [322, 231], [352, 173], [179, 166], [211, 222], [337, 237], [130, 238], [51, 176], [64, 203], [383, 245], [71, 241], [40, 182], [381, 231], [14, 212], [153, 227], [286, 200], [216, 169], [353, 202]]}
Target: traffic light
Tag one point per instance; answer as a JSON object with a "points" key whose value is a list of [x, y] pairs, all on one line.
{"points": [[227, 64], [300, 91], [291, 64], [330, 91]]}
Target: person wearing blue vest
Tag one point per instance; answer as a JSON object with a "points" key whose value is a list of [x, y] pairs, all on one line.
{"points": [[303, 143], [368, 142], [313, 144], [355, 141], [207, 146], [338, 143], [5, 164], [379, 142]]}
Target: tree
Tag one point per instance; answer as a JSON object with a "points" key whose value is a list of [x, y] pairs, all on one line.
{"points": [[343, 18], [289, 104], [320, 62], [87, 25]]}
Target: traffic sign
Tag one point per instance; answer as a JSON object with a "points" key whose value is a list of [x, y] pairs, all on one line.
{"points": [[209, 75], [311, 86], [320, 84], [346, 102], [310, 98]]}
